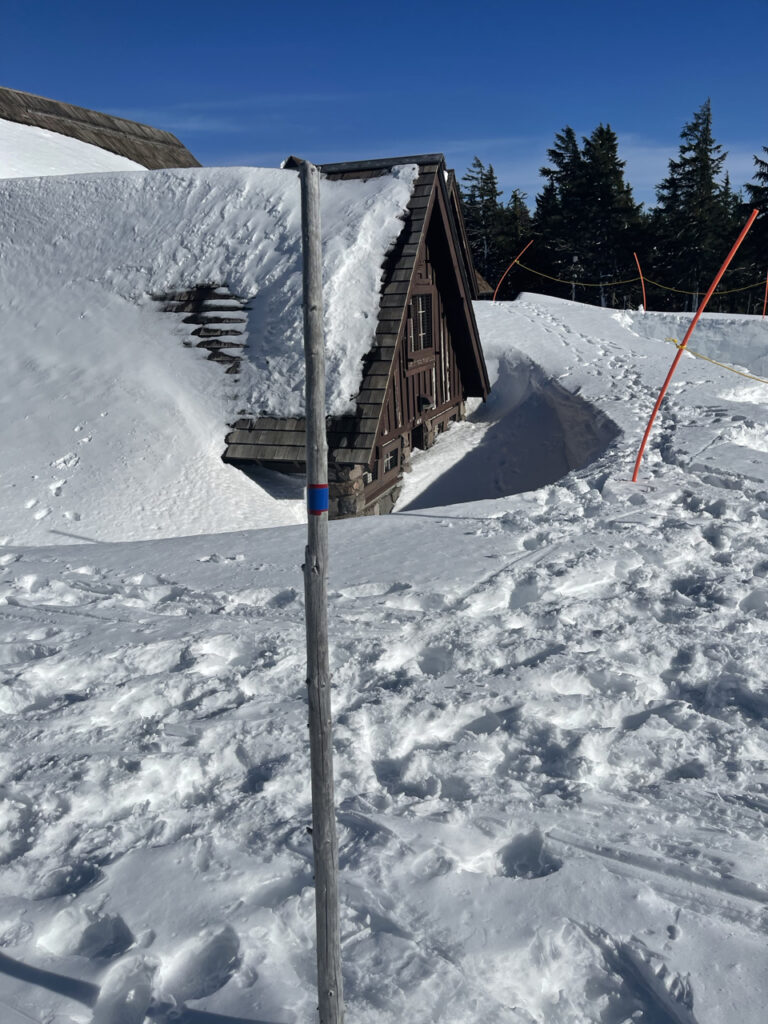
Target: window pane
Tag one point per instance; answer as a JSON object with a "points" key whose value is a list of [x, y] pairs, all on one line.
{"points": [[422, 322]]}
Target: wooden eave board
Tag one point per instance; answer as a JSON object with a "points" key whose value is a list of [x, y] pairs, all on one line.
{"points": [[455, 202], [462, 279]]}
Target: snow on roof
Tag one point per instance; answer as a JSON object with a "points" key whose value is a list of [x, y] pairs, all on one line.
{"points": [[119, 420], [147, 233], [26, 151]]}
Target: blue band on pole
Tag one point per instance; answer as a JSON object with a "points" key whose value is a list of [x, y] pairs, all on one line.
{"points": [[317, 499]]}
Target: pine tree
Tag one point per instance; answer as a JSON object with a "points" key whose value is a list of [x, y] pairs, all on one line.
{"points": [[757, 239], [586, 217], [563, 204], [694, 221], [483, 215], [610, 217], [515, 230]]}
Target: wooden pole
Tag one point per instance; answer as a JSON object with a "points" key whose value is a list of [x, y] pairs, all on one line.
{"points": [[324, 841]]}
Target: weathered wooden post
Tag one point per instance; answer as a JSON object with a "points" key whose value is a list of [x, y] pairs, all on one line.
{"points": [[324, 841]]}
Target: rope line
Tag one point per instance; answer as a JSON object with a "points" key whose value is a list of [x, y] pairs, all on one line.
{"points": [[580, 284], [631, 280], [722, 291], [725, 366]]}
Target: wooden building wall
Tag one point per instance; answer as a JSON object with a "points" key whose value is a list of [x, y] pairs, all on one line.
{"points": [[425, 389]]}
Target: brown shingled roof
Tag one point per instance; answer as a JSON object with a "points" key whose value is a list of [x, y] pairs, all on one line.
{"points": [[150, 147]]}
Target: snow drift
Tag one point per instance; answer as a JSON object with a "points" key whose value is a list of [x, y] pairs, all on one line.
{"points": [[112, 430]]}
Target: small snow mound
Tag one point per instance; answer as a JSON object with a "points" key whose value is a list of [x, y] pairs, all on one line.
{"points": [[202, 966], [125, 995]]}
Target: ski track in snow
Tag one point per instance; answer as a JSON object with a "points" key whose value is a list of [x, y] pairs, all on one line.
{"points": [[552, 761]]}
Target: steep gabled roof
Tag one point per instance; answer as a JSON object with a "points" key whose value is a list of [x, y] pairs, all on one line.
{"points": [[352, 437], [148, 146]]}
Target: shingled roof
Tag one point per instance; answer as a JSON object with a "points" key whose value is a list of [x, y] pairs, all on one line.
{"points": [[351, 438], [150, 147]]}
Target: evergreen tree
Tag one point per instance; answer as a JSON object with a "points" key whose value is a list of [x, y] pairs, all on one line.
{"points": [[757, 240], [695, 218], [483, 215], [610, 217], [586, 217], [515, 231], [563, 206]]}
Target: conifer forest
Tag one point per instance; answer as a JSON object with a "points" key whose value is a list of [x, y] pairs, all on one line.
{"points": [[586, 226]]}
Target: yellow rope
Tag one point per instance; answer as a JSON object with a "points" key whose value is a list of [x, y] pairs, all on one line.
{"points": [[631, 280], [699, 355], [580, 284], [681, 291]]}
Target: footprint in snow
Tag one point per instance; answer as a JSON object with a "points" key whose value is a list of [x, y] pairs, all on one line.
{"points": [[125, 995], [435, 661], [68, 461], [200, 967], [68, 880], [527, 856]]}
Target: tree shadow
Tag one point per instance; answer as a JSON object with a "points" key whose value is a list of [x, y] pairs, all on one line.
{"points": [[87, 993]]}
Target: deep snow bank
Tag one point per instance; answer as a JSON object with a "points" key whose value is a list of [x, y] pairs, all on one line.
{"points": [[531, 432], [569, 380]]}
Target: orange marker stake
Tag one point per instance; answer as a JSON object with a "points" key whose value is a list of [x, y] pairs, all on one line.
{"points": [[765, 299], [514, 261], [688, 333], [642, 282]]}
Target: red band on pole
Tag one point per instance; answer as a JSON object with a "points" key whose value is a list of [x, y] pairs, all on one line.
{"points": [[642, 282], [514, 261], [688, 333], [765, 298]]}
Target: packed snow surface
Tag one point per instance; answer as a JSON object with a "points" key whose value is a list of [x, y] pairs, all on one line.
{"points": [[27, 151], [550, 707], [111, 429]]}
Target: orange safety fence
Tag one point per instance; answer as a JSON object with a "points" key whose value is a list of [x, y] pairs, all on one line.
{"points": [[514, 261], [689, 332], [614, 284], [642, 282]]}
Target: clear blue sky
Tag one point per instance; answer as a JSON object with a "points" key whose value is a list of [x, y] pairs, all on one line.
{"points": [[251, 82]]}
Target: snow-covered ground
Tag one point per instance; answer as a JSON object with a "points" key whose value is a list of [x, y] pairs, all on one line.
{"points": [[549, 698], [549, 690]]}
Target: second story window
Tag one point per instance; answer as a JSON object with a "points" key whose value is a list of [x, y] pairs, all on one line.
{"points": [[422, 322]]}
